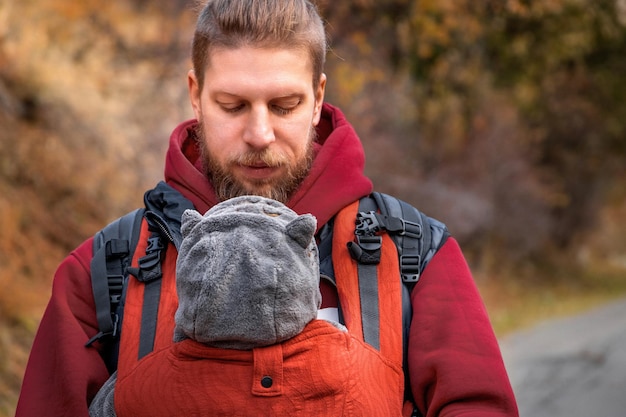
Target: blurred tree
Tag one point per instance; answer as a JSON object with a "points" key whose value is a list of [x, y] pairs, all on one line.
{"points": [[564, 61], [555, 64]]}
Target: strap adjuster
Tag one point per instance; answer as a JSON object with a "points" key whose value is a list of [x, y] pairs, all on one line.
{"points": [[117, 248], [411, 229], [116, 286], [150, 264], [410, 267], [149, 267], [366, 249]]}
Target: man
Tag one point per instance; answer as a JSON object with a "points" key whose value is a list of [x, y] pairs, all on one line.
{"points": [[261, 127]]}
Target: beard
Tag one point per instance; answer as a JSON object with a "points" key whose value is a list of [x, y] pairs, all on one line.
{"points": [[227, 186]]}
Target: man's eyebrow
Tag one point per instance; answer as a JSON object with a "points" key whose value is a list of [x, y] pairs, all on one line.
{"points": [[289, 96], [225, 93], [286, 96]]}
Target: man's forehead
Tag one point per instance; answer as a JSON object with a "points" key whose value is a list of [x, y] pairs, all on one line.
{"points": [[248, 64]]}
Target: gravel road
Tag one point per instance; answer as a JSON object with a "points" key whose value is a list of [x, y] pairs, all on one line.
{"points": [[571, 367]]}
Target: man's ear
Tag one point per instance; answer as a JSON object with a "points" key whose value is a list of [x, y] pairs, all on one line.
{"points": [[319, 99], [194, 94]]}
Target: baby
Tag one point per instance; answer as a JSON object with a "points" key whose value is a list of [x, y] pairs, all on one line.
{"points": [[247, 341]]}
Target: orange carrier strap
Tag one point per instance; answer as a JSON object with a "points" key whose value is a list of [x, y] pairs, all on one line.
{"points": [[370, 294], [150, 302]]}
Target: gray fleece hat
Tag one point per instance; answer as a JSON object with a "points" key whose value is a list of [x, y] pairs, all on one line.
{"points": [[247, 274]]}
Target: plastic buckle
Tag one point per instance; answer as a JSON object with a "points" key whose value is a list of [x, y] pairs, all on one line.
{"points": [[116, 282], [410, 267], [411, 229], [149, 267], [154, 244], [366, 249], [366, 223], [370, 243], [150, 260]]}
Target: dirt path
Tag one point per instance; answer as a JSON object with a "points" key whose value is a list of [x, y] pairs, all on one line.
{"points": [[571, 367]]}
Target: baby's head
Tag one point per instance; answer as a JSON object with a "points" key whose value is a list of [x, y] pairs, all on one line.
{"points": [[247, 274]]}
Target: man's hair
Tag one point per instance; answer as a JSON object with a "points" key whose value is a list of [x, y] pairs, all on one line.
{"points": [[289, 24]]}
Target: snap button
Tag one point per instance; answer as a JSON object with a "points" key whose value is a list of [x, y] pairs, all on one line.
{"points": [[266, 381], [267, 373]]}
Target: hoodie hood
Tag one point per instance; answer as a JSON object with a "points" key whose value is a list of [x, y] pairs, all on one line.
{"points": [[336, 178]]}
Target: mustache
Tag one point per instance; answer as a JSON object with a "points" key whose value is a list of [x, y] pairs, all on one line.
{"points": [[266, 157]]}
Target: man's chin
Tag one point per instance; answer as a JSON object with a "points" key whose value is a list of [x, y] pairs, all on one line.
{"points": [[256, 187], [278, 187], [265, 189]]}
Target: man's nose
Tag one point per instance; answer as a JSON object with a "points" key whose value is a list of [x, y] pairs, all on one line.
{"points": [[259, 131]]}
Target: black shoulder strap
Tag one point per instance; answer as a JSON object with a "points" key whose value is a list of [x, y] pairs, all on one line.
{"points": [[113, 247]]}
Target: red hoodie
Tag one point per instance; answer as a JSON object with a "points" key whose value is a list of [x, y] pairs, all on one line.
{"points": [[454, 359]]}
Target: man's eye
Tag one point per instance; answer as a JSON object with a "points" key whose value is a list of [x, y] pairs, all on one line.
{"points": [[231, 108], [285, 108]]}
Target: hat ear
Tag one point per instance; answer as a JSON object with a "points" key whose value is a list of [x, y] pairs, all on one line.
{"points": [[189, 219], [302, 229]]}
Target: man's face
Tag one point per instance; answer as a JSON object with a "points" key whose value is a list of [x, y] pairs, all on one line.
{"points": [[257, 113]]}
